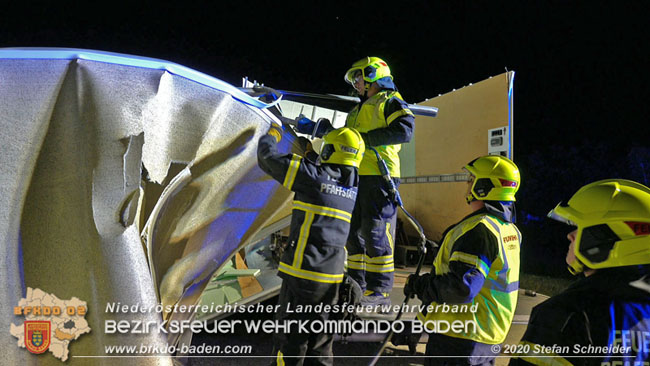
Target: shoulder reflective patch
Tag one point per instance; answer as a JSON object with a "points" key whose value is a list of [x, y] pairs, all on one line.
{"points": [[399, 113], [472, 260]]}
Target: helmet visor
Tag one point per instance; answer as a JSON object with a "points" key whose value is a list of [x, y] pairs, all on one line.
{"points": [[353, 75], [557, 217]]}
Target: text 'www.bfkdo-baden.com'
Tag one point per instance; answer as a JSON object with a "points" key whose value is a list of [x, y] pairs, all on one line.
{"points": [[201, 349]]}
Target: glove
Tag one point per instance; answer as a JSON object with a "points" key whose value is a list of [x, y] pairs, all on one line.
{"points": [[417, 285], [409, 286], [276, 131], [306, 126]]}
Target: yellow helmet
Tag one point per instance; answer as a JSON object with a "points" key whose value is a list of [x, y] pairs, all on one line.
{"points": [[372, 69], [496, 178], [613, 224], [342, 146]]}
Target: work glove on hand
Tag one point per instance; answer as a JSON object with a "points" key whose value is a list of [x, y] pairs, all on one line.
{"points": [[276, 131], [306, 126], [417, 285]]}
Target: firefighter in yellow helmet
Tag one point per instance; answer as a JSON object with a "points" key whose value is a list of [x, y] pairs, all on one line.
{"points": [[477, 265], [312, 266], [385, 122], [604, 317]]}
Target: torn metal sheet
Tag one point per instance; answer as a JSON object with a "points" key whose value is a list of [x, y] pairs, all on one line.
{"points": [[122, 179]]}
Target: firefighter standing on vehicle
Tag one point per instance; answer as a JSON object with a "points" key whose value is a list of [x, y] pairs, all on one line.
{"points": [[385, 122], [477, 264], [312, 266], [604, 317]]}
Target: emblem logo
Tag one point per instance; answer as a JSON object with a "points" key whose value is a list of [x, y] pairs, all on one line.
{"points": [[50, 323], [37, 335]]}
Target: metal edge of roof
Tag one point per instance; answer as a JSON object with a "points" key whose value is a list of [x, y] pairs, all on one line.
{"points": [[130, 60]]}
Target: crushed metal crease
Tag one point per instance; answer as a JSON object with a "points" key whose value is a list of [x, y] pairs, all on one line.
{"points": [[122, 184]]}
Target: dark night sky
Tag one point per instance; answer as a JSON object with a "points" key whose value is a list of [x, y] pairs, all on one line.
{"points": [[580, 66], [581, 85]]}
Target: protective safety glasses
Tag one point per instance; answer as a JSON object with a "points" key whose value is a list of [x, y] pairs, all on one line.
{"points": [[353, 76]]}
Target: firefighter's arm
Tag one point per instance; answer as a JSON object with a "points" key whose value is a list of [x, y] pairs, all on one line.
{"points": [[552, 327], [273, 163], [472, 255], [401, 124], [291, 170]]}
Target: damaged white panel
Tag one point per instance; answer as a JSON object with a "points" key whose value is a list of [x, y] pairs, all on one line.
{"points": [[91, 144]]}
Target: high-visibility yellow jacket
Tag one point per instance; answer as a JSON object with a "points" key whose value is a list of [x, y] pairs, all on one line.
{"points": [[385, 122], [477, 264]]}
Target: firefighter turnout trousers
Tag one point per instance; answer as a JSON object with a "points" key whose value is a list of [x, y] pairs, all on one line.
{"points": [[292, 345], [372, 232], [370, 245]]}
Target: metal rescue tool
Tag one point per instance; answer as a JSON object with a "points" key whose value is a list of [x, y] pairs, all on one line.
{"points": [[422, 249]]}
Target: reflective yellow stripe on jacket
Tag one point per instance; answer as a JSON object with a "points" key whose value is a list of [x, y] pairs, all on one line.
{"points": [[311, 210], [322, 210], [290, 177], [497, 299], [279, 360]]}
